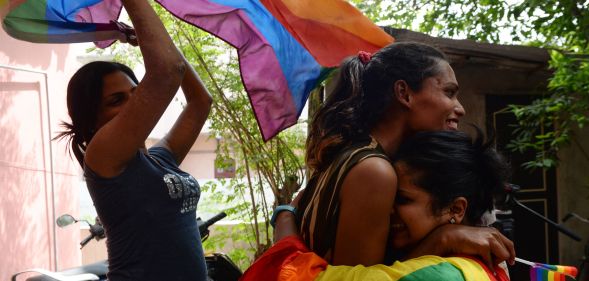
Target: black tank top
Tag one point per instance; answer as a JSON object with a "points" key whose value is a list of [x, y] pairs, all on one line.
{"points": [[318, 212]]}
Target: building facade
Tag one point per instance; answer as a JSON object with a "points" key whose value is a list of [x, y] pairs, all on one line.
{"points": [[37, 177]]}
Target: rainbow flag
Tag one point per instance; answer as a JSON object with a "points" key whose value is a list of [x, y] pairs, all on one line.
{"points": [[547, 272], [284, 46], [62, 21], [290, 260]]}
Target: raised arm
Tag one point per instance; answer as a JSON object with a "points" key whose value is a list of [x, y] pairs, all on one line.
{"points": [[366, 202], [189, 124], [117, 141]]}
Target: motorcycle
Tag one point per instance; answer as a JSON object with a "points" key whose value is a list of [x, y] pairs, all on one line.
{"points": [[219, 266]]}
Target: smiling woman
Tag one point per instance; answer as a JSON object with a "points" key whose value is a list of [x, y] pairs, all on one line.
{"points": [[378, 101], [446, 178]]}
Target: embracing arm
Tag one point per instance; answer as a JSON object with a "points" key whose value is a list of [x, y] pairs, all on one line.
{"points": [[117, 141], [366, 202], [190, 122], [485, 242]]}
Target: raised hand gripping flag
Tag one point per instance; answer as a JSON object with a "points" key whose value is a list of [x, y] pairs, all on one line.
{"points": [[283, 45], [62, 21]]}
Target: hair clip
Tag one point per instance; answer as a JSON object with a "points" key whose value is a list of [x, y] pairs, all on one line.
{"points": [[364, 57]]}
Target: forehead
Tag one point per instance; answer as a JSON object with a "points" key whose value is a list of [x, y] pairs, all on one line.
{"points": [[117, 81], [406, 176], [446, 74]]}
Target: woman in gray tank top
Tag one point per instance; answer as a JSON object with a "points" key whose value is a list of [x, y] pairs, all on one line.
{"points": [[146, 203]]}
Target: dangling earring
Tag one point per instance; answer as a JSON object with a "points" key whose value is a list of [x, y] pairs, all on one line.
{"points": [[452, 220]]}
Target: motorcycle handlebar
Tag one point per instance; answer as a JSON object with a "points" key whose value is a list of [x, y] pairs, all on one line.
{"points": [[574, 215], [205, 225], [86, 240]]}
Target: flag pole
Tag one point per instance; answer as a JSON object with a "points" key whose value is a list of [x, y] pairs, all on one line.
{"points": [[525, 261]]}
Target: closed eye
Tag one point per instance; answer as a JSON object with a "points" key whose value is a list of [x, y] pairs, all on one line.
{"points": [[116, 99]]}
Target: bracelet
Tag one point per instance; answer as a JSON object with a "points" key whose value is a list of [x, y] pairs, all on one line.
{"points": [[279, 209]]}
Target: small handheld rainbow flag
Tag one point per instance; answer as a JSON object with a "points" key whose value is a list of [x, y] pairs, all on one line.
{"points": [[549, 272]]}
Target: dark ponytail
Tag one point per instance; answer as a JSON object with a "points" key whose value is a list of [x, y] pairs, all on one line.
{"points": [[362, 94], [338, 122], [449, 164], [84, 95]]}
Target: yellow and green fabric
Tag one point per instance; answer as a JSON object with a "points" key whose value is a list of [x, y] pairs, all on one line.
{"points": [[418, 269], [290, 260]]}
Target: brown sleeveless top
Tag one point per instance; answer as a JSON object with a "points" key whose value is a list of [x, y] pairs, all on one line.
{"points": [[318, 209]]}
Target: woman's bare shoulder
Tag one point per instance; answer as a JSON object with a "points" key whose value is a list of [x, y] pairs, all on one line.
{"points": [[371, 177]]}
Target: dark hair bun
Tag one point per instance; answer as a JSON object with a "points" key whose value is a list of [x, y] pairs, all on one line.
{"points": [[453, 164]]}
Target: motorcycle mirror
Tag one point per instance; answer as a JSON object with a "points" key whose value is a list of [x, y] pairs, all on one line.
{"points": [[65, 220]]}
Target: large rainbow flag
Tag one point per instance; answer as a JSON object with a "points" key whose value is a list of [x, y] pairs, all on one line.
{"points": [[290, 260], [283, 45]]}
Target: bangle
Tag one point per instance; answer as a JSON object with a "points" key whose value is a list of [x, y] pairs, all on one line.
{"points": [[279, 209]]}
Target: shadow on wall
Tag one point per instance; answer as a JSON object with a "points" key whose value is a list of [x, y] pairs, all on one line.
{"points": [[26, 236], [32, 55], [26, 208]]}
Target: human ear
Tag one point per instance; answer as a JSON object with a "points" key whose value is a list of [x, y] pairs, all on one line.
{"points": [[457, 209], [402, 93]]}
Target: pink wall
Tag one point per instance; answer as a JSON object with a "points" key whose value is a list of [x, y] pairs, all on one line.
{"points": [[37, 178]]}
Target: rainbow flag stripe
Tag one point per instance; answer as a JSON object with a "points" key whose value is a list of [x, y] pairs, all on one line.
{"points": [[290, 260], [539, 273], [552, 272], [62, 21], [285, 46]]}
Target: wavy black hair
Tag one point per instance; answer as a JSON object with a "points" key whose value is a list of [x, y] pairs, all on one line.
{"points": [[362, 94], [450, 164], [84, 93]]}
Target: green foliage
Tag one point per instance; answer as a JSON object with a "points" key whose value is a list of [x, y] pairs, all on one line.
{"points": [[548, 124], [237, 239]]}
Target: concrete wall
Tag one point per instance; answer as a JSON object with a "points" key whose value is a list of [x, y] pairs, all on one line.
{"points": [[478, 80], [37, 177], [200, 161], [573, 195]]}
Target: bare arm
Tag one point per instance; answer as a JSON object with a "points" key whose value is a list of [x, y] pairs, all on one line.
{"points": [[286, 224], [366, 202], [115, 143], [485, 242], [190, 122]]}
